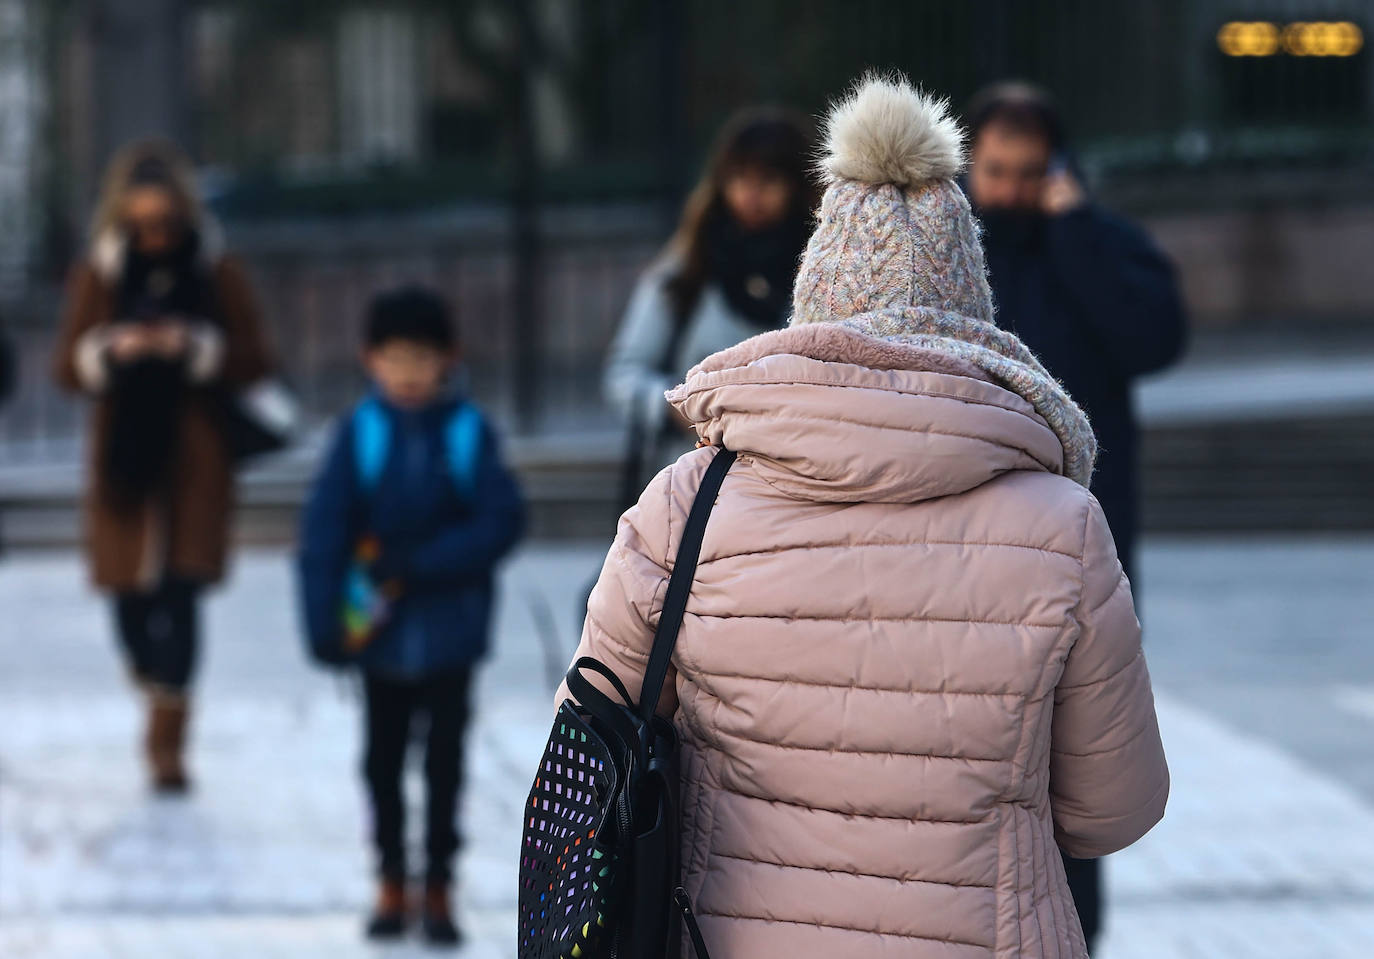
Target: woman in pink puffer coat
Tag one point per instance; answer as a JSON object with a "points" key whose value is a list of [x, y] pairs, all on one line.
{"points": [[910, 670]]}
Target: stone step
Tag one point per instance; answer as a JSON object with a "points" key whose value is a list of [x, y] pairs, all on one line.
{"points": [[1298, 474]]}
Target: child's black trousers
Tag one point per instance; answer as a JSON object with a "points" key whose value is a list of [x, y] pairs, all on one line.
{"points": [[441, 701]]}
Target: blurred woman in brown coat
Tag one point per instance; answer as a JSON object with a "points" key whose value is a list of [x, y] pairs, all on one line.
{"points": [[159, 325]]}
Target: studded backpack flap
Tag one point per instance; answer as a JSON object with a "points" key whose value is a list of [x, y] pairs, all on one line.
{"points": [[599, 870]]}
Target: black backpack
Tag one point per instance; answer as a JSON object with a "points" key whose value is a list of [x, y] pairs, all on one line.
{"points": [[599, 871]]}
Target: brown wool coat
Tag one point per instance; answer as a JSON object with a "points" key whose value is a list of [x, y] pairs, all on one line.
{"points": [[910, 670], [184, 532]]}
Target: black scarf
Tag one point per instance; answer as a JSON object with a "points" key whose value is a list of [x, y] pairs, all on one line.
{"points": [[148, 394], [755, 269], [165, 284]]}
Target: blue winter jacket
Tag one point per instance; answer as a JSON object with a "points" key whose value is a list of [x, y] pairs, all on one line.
{"points": [[442, 533]]}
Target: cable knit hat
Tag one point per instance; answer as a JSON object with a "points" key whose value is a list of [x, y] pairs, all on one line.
{"points": [[896, 253], [895, 230]]}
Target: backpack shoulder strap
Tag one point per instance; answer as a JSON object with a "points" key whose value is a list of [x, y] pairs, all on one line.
{"points": [[463, 447], [371, 442], [680, 583]]}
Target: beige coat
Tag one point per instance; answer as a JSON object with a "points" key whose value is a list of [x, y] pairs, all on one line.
{"points": [[910, 670]]}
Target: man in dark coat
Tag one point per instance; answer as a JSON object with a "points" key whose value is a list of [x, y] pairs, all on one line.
{"points": [[1087, 292]]}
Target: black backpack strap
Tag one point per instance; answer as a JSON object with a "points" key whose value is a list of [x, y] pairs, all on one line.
{"points": [[680, 583]]}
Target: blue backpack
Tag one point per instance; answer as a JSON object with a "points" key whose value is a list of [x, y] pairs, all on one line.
{"points": [[462, 445]]}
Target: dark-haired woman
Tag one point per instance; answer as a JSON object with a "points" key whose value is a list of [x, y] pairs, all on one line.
{"points": [[158, 322], [725, 275]]}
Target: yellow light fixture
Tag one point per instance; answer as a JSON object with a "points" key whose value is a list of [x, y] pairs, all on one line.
{"points": [[1303, 38], [1248, 38]]}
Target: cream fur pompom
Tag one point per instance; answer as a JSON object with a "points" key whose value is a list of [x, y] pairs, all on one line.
{"points": [[884, 131]]}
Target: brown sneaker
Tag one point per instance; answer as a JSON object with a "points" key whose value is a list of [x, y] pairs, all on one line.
{"points": [[439, 927], [388, 919]]}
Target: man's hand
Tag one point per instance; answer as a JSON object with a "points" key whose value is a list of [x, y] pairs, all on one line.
{"points": [[1062, 194]]}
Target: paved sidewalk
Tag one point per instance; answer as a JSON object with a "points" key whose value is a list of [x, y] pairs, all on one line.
{"points": [[269, 857], [1258, 856], [1261, 855]]}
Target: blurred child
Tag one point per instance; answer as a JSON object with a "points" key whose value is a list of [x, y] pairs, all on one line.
{"points": [[401, 535]]}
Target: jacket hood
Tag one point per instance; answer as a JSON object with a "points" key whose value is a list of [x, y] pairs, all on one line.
{"points": [[832, 414]]}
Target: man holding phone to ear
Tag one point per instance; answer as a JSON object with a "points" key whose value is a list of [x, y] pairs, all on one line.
{"points": [[1088, 292]]}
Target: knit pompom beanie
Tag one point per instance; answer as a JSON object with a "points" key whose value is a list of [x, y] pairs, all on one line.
{"points": [[896, 252], [894, 229]]}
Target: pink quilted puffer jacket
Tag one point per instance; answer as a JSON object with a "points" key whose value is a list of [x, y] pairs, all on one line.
{"points": [[910, 669]]}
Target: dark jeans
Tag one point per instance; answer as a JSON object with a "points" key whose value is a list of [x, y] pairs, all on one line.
{"points": [[1085, 882], [159, 631], [392, 705]]}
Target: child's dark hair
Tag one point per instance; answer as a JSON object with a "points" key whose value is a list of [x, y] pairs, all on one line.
{"points": [[411, 313]]}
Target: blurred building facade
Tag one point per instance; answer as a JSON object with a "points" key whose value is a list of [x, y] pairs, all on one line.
{"points": [[316, 108], [20, 152], [527, 157]]}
